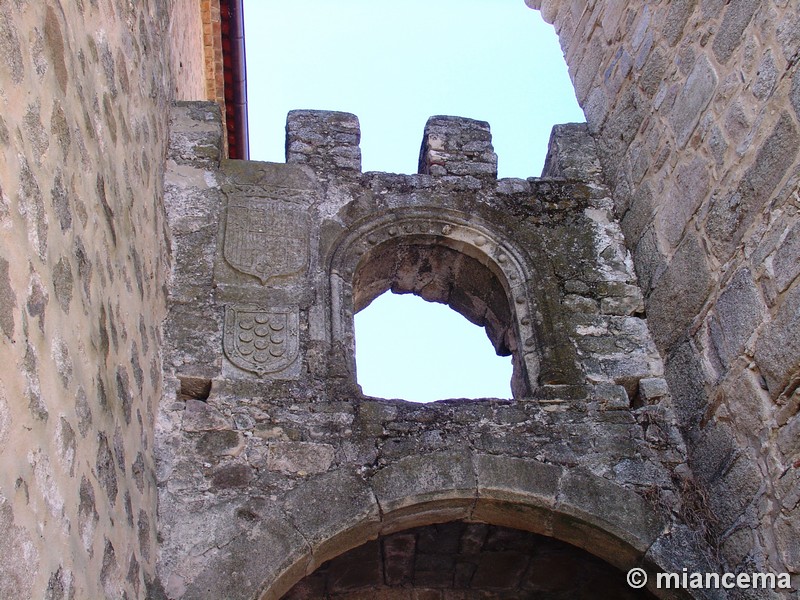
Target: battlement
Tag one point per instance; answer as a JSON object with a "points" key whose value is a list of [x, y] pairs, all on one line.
{"points": [[452, 147], [328, 141], [457, 146]]}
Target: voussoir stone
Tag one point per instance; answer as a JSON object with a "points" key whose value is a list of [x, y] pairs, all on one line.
{"points": [[334, 512], [627, 524], [443, 477]]}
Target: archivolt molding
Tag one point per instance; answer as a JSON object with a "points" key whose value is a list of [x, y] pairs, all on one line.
{"points": [[462, 232]]}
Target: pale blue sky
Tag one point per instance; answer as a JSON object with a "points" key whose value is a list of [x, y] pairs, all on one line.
{"points": [[394, 64]]}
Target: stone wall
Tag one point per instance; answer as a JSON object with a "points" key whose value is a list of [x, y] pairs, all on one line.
{"points": [[84, 95], [190, 57], [270, 460], [695, 106]]}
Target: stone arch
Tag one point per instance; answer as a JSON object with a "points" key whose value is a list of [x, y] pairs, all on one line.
{"points": [[465, 560], [443, 256], [332, 513]]}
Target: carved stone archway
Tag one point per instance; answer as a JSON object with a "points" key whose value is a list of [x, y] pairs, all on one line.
{"points": [[476, 270]]}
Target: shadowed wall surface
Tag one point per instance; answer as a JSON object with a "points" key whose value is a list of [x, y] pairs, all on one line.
{"points": [[464, 561]]}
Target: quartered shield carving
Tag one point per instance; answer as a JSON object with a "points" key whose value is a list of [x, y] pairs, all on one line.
{"points": [[266, 238], [260, 340]]}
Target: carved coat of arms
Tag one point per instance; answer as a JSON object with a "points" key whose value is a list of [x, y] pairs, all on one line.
{"points": [[266, 238], [260, 340]]}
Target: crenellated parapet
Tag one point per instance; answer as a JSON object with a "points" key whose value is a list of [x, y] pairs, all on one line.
{"points": [[457, 146], [327, 141]]}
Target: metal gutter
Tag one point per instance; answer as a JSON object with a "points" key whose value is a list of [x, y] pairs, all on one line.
{"points": [[235, 69]]}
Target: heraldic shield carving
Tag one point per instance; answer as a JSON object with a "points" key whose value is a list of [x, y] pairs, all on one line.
{"points": [[260, 340], [266, 238]]}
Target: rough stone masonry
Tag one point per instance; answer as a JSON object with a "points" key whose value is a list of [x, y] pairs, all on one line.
{"points": [[694, 109], [270, 461]]}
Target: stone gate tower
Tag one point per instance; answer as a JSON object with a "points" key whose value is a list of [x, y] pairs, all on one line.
{"points": [[270, 460], [179, 411]]}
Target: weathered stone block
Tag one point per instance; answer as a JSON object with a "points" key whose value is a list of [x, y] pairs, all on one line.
{"points": [[622, 125], [195, 134], [440, 481], [267, 548], [789, 439], [459, 146], [734, 491], [516, 492], [640, 215], [766, 78], [333, 512], [787, 532], [680, 293], [712, 451], [795, 92], [649, 261], [230, 476], [213, 444], [614, 520], [623, 306], [596, 109], [786, 260], [682, 200], [303, 458], [677, 549], [19, 559], [325, 140], [652, 73], [676, 19], [200, 416], [507, 478], [571, 153], [778, 347], [611, 396], [8, 301], [653, 388], [738, 312], [588, 68], [731, 214], [729, 36], [693, 100]]}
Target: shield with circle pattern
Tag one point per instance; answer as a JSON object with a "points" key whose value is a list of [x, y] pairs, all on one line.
{"points": [[260, 340]]}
